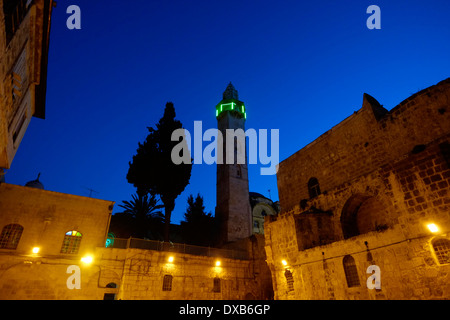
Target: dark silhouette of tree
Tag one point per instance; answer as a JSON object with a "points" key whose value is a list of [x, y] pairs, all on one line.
{"points": [[141, 218], [152, 169], [198, 226]]}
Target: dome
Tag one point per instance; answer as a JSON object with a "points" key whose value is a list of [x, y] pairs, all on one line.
{"points": [[257, 195], [35, 183]]}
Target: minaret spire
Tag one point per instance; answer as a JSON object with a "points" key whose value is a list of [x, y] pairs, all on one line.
{"points": [[230, 92], [233, 208]]}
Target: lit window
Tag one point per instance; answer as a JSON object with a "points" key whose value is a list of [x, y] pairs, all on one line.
{"points": [[167, 283], [313, 187], [9, 239], [71, 242], [351, 273], [442, 250], [216, 285]]}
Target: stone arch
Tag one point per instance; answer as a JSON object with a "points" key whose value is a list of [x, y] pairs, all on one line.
{"points": [[106, 278], [361, 214]]}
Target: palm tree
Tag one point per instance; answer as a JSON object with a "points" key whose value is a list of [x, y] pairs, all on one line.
{"points": [[145, 214]]}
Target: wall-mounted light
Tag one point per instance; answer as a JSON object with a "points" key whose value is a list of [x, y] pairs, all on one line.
{"points": [[35, 250], [87, 259], [170, 259], [433, 228], [284, 262], [218, 263]]}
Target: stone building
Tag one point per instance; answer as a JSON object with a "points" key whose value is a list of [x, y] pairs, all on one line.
{"points": [[24, 43], [46, 236], [371, 191], [42, 233]]}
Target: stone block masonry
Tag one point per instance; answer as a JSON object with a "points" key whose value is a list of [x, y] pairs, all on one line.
{"points": [[381, 178]]}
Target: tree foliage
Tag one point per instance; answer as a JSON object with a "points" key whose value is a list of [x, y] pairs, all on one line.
{"points": [[141, 218], [152, 170], [198, 226]]}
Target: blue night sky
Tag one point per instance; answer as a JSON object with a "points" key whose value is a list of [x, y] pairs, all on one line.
{"points": [[300, 67]]}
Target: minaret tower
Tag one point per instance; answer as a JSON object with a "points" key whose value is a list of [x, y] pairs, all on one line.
{"points": [[232, 201]]}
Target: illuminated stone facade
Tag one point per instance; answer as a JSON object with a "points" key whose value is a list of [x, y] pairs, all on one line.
{"points": [[24, 42], [362, 194], [30, 218], [67, 228]]}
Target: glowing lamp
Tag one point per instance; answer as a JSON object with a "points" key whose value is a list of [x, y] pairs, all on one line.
{"points": [[35, 250], [170, 259], [433, 228], [87, 259], [284, 262], [218, 263]]}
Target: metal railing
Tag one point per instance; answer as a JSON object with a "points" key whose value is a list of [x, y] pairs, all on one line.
{"points": [[135, 243]]}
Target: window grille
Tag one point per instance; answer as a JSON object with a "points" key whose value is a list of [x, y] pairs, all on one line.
{"points": [[71, 243], [351, 273], [167, 283], [289, 280], [442, 250], [9, 239]]}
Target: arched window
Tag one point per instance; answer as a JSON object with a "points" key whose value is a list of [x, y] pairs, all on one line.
{"points": [[216, 287], [11, 233], [313, 187], [289, 280], [111, 285], [351, 273], [441, 248], [71, 242], [167, 283]]}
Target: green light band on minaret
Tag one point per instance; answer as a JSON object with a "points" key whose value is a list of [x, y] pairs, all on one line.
{"points": [[231, 103]]}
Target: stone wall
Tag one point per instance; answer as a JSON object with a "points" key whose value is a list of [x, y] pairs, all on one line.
{"points": [[368, 139], [374, 206], [193, 277], [128, 274]]}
